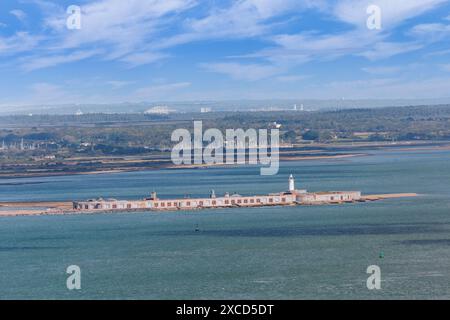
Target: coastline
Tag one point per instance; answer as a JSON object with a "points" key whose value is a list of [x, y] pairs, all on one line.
{"points": [[166, 164], [126, 163]]}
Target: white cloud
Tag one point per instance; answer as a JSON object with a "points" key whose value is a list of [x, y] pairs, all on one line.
{"points": [[382, 50], [291, 78], [117, 84], [295, 49], [238, 71], [131, 31], [241, 19], [431, 32], [382, 70], [393, 12], [19, 14], [137, 32], [124, 25], [35, 63], [19, 42], [141, 58]]}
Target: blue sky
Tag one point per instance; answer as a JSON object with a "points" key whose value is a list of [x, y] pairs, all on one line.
{"points": [[153, 50]]}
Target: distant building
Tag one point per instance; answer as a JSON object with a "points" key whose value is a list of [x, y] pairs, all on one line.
{"points": [[299, 109], [46, 157], [79, 112], [159, 110], [275, 125], [205, 110]]}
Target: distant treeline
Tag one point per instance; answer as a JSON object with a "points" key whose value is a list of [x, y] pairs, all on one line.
{"points": [[139, 133]]}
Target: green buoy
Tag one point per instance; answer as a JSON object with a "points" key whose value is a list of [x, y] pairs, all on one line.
{"points": [[381, 255]]}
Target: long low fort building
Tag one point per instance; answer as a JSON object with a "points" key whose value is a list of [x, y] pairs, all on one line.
{"points": [[290, 197]]}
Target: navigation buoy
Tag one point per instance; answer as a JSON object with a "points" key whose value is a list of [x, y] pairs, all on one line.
{"points": [[381, 255]]}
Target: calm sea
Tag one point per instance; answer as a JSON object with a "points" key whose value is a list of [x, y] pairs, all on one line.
{"points": [[261, 253]]}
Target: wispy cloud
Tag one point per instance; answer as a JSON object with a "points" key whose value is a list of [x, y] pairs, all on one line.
{"points": [[141, 58], [19, 14], [392, 12], [294, 49], [17, 43], [291, 78], [382, 50], [117, 84], [261, 42], [35, 63], [125, 27], [238, 71], [383, 70], [431, 32]]}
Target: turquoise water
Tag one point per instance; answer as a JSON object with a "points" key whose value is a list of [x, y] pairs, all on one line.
{"points": [[255, 253]]}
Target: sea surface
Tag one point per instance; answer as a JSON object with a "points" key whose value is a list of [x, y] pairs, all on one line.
{"points": [[319, 252]]}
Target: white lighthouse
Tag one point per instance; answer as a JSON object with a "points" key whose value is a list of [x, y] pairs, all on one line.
{"points": [[291, 183]]}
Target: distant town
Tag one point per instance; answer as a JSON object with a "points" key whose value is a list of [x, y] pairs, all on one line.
{"points": [[85, 142]]}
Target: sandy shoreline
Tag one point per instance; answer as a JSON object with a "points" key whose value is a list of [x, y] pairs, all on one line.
{"points": [[37, 208], [374, 197], [163, 165], [162, 162]]}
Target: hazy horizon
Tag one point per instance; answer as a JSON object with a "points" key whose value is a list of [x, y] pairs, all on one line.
{"points": [[220, 105]]}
